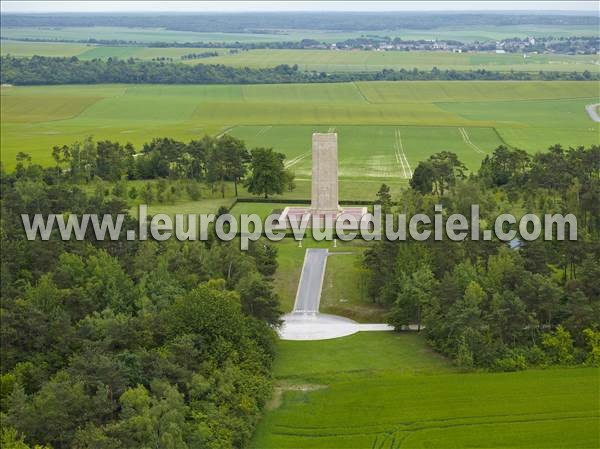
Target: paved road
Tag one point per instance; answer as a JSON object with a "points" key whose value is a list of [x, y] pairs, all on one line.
{"points": [[593, 112], [305, 322], [308, 295]]}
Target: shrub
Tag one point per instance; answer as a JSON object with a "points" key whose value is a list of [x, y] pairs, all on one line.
{"points": [[559, 346], [514, 360], [592, 339]]}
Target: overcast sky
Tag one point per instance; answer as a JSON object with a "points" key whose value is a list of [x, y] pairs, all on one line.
{"points": [[244, 6]]}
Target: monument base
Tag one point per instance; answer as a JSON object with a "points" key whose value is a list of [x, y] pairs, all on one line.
{"points": [[319, 218]]}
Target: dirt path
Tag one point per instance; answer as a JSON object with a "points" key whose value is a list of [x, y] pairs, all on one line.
{"points": [[592, 110]]}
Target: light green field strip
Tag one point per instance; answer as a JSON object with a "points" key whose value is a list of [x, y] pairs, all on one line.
{"points": [[467, 91], [16, 48], [359, 60], [149, 53], [131, 34], [91, 51], [429, 116], [483, 33], [480, 33]]}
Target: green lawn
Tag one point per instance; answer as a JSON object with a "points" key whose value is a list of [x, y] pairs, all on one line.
{"points": [[387, 390], [343, 287]]}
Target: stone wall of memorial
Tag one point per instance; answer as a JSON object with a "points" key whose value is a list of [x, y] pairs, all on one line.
{"points": [[324, 173]]}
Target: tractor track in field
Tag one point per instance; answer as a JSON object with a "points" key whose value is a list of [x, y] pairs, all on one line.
{"points": [[401, 155], [593, 112], [225, 131], [293, 161], [465, 137], [418, 426], [362, 94], [264, 130]]}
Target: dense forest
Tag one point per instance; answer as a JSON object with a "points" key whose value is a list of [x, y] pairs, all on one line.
{"points": [[270, 22], [486, 304], [128, 344], [40, 70]]}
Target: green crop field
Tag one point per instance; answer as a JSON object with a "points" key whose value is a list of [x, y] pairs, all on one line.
{"points": [[387, 390], [92, 51], [350, 61], [385, 128], [54, 49]]}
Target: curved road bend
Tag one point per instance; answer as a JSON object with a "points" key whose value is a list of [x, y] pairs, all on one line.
{"points": [[308, 295], [593, 111]]}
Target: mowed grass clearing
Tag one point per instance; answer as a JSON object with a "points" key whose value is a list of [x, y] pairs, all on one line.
{"points": [[381, 125], [388, 390], [343, 291]]}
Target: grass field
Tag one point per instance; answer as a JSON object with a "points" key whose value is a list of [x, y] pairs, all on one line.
{"points": [[92, 51], [351, 61], [384, 128], [343, 287], [387, 390]]}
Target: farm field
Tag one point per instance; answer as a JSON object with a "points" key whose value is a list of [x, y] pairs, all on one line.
{"points": [[365, 61], [92, 51], [146, 35], [480, 33], [385, 128], [388, 390], [319, 60]]}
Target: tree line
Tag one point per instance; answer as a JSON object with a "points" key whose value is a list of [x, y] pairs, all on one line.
{"points": [[210, 160], [485, 303], [41, 70]]}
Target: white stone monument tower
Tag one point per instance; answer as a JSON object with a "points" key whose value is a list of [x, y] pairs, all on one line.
{"points": [[324, 198]]}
